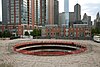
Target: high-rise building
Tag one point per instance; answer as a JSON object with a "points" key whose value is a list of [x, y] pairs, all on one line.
{"points": [[62, 18], [16, 12], [45, 12], [35, 12], [87, 20], [39, 12], [97, 21], [71, 19], [56, 12], [16, 15], [66, 10], [5, 11], [77, 10], [53, 11], [20, 15]]}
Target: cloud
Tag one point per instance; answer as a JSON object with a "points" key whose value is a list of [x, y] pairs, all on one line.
{"points": [[92, 6], [91, 9], [61, 6]]}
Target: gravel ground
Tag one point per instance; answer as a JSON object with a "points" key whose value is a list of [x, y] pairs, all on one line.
{"points": [[9, 58]]}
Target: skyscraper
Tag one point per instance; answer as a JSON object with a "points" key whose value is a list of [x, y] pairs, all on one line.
{"points": [[56, 12], [87, 20], [5, 10], [16, 12], [62, 18], [53, 11], [77, 11], [66, 10], [97, 21], [16, 16], [71, 19], [35, 12], [25, 14]]}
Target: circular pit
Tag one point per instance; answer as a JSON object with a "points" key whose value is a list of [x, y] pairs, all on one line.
{"points": [[49, 48]]}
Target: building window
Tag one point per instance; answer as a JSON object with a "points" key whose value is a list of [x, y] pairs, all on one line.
{"points": [[71, 34], [25, 27], [74, 34], [48, 34], [81, 34], [30, 27]]}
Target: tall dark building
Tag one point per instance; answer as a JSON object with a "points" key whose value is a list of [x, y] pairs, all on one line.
{"points": [[5, 11], [56, 12], [43, 12], [77, 11], [87, 20], [97, 21]]}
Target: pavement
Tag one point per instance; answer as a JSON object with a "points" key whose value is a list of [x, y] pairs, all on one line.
{"points": [[9, 58]]}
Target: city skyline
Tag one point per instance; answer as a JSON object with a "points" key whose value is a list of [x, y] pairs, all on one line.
{"points": [[86, 7]]}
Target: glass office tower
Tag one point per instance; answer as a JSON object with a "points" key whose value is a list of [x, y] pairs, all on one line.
{"points": [[66, 10]]}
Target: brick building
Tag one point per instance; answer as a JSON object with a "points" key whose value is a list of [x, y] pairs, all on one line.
{"points": [[16, 29], [53, 31], [80, 31]]}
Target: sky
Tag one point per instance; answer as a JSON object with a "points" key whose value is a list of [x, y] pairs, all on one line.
{"points": [[91, 7]]}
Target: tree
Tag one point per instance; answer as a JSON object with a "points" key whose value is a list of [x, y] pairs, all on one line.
{"points": [[39, 32], [6, 33], [26, 33], [95, 31], [36, 32], [31, 33], [0, 34]]}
